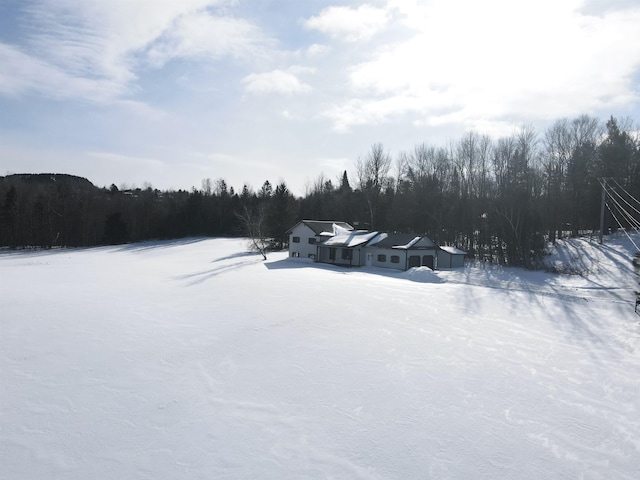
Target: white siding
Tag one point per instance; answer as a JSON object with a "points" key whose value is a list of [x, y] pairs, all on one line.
{"points": [[449, 260], [302, 248], [388, 252]]}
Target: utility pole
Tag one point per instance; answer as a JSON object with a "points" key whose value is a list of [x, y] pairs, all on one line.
{"points": [[603, 182]]}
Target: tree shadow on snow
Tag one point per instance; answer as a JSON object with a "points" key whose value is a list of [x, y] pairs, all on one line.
{"points": [[235, 255], [288, 263], [156, 244], [203, 276], [126, 247], [573, 320], [544, 292]]}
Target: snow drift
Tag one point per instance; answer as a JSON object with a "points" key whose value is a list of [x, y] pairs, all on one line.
{"points": [[422, 274]]}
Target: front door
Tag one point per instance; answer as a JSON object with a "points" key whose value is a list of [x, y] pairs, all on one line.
{"points": [[369, 259]]}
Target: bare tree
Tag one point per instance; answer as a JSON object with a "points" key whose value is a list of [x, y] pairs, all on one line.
{"points": [[514, 158], [569, 154], [558, 150], [253, 223], [465, 159], [422, 164], [373, 177], [206, 186], [401, 171], [323, 184]]}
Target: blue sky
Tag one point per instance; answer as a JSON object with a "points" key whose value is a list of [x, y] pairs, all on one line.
{"points": [[169, 92]]}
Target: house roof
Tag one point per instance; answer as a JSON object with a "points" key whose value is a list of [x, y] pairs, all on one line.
{"points": [[321, 227], [453, 250], [349, 239], [396, 240]]}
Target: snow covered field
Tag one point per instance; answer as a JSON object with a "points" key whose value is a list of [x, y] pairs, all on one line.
{"points": [[193, 359]]}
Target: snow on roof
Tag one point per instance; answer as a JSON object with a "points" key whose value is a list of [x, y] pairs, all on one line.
{"points": [[336, 229], [324, 227], [340, 230], [378, 238], [408, 245], [350, 239], [402, 241], [453, 250]]}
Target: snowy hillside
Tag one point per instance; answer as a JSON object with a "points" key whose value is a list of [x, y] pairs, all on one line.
{"points": [[194, 359]]}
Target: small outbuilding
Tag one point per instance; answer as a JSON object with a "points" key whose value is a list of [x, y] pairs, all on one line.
{"points": [[450, 257]]}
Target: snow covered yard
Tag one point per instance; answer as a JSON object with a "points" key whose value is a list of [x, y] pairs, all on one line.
{"points": [[194, 359]]}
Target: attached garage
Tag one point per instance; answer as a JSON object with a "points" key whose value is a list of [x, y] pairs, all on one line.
{"points": [[450, 257], [416, 260], [402, 251]]}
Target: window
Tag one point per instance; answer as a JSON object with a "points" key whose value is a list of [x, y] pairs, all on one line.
{"points": [[312, 240], [395, 259], [295, 254], [296, 239], [382, 258], [312, 256], [346, 254]]}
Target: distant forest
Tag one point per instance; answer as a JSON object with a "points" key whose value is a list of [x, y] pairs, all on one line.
{"points": [[499, 200]]}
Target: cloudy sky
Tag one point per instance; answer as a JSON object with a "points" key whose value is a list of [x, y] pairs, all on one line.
{"points": [[170, 92]]}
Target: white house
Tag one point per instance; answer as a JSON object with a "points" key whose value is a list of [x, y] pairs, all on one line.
{"points": [[305, 235], [339, 244]]}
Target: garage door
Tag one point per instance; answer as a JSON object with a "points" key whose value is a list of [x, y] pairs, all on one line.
{"points": [[427, 261]]}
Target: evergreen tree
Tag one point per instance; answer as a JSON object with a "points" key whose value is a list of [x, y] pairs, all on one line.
{"points": [[265, 191], [616, 154], [280, 215], [8, 218], [115, 229]]}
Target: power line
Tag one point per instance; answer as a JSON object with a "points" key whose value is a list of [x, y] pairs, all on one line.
{"points": [[625, 191], [624, 199], [608, 190], [627, 216]]}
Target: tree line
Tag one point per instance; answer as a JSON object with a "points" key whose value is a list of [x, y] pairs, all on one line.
{"points": [[499, 199]]}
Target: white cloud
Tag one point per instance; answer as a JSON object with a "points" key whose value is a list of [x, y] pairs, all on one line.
{"points": [[100, 38], [349, 24], [203, 35], [317, 49], [22, 73], [488, 60], [93, 50], [276, 81]]}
